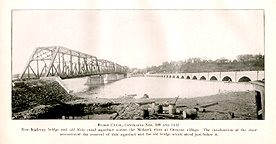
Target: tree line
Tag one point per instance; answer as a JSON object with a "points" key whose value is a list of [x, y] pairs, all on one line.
{"points": [[245, 62]]}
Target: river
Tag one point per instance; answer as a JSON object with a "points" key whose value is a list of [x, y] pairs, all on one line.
{"points": [[155, 87]]}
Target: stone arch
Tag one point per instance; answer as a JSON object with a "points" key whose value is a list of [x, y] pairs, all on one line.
{"points": [[226, 78], [213, 78], [177, 76], [188, 77], [244, 79], [194, 78], [203, 78], [169, 76], [173, 76], [182, 77]]}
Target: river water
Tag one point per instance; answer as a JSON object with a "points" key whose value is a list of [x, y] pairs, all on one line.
{"points": [[155, 87]]}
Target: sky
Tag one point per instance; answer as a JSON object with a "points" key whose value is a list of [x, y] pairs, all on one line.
{"points": [[139, 38]]}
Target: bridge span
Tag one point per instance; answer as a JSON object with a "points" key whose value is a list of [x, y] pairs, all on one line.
{"points": [[58, 61], [234, 76]]}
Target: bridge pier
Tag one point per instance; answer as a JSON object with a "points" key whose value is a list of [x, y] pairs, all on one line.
{"points": [[95, 80], [102, 79], [113, 77], [110, 77], [120, 76]]}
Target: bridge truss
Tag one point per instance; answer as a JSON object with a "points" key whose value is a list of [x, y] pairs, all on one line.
{"points": [[67, 63]]}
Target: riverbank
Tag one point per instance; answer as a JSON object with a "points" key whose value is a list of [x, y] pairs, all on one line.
{"points": [[48, 100], [223, 106], [30, 99]]}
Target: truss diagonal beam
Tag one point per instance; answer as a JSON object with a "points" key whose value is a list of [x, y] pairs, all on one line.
{"points": [[66, 63]]}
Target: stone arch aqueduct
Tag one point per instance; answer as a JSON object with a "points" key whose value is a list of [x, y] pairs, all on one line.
{"points": [[234, 76]]}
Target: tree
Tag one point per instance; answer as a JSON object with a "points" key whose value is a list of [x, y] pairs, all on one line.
{"points": [[222, 60], [245, 57]]}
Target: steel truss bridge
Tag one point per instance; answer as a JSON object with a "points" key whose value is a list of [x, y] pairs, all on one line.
{"points": [[66, 63]]}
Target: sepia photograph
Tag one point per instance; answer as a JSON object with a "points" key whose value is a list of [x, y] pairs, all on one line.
{"points": [[138, 64]]}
